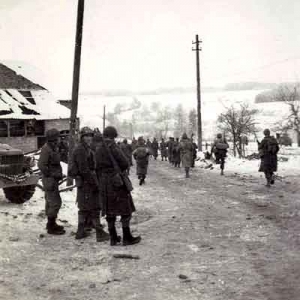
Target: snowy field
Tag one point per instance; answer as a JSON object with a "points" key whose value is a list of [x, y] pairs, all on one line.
{"points": [[213, 104]]}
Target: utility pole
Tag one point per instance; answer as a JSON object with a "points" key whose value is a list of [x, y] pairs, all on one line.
{"points": [[198, 49], [104, 116], [75, 88]]}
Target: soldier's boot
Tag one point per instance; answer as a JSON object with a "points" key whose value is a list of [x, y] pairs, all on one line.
{"points": [[128, 239], [114, 237], [222, 172], [272, 181], [53, 228], [101, 235], [81, 233]]}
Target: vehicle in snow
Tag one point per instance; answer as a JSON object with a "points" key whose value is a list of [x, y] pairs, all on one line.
{"points": [[285, 140], [16, 177]]}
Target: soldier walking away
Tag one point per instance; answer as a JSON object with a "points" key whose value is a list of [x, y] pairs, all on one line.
{"points": [[170, 149], [219, 148], [133, 144], [49, 164], [268, 149], [116, 199], [88, 199], [176, 153], [149, 146], [163, 150], [186, 153], [155, 148], [141, 155], [127, 150]]}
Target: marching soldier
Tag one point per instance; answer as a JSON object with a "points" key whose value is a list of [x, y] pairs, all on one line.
{"points": [[155, 147], [163, 150], [127, 150], [268, 149], [219, 148], [186, 153], [49, 164], [141, 155]]}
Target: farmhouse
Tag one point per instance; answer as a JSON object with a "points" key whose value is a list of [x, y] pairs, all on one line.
{"points": [[27, 111]]}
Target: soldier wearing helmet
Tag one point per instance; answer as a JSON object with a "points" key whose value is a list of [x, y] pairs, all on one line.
{"points": [[115, 195], [83, 169], [219, 148], [49, 164]]}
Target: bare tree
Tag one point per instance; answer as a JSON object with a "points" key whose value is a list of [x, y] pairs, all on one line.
{"points": [[290, 96], [237, 123], [180, 119], [164, 121]]}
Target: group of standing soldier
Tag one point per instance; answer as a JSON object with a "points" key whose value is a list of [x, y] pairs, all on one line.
{"points": [[100, 168]]}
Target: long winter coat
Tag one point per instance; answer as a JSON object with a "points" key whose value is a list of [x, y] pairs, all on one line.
{"points": [[83, 161], [268, 149], [176, 153], [163, 149], [141, 155], [155, 148], [114, 201], [186, 153]]}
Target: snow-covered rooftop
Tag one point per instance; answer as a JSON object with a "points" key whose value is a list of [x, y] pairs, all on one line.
{"points": [[30, 104]]}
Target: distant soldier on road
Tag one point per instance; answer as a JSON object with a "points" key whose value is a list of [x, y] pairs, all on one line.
{"points": [[195, 147], [155, 147], [149, 146], [163, 150], [170, 150], [186, 153], [176, 153], [141, 155], [268, 149], [127, 150], [133, 143], [219, 148], [49, 164]]}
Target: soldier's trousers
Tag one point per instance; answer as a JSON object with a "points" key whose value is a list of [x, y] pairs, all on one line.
{"points": [[52, 197], [111, 220]]}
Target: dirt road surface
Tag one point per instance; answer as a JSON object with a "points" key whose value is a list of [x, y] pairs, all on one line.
{"points": [[208, 237]]}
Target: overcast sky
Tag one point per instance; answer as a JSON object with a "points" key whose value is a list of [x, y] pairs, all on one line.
{"points": [[145, 44]]}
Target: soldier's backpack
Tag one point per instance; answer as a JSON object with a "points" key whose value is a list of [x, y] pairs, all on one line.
{"points": [[141, 152], [272, 145]]}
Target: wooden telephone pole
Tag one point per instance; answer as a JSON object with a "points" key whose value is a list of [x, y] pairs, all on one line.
{"points": [[104, 117], [76, 77], [198, 49]]}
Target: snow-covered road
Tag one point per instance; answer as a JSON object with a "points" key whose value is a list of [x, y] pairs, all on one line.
{"points": [[208, 237]]}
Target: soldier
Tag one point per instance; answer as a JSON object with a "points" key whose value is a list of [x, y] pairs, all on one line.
{"points": [[155, 148], [176, 153], [63, 149], [149, 146], [83, 167], [170, 149], [163, 150], [268, 149], [219, 148], [141, 155], [116, 200], [186, 153], [127, 150], [49, 164], [133, 144]]}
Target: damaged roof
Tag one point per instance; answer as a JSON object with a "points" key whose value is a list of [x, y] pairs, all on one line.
{"points": [[33, 104]]}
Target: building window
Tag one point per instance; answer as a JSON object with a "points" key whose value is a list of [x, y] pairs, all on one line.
{"points": [[34, 127], [3, 129], [28, 96], [16, 128]]}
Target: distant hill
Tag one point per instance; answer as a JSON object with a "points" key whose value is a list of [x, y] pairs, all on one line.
{"points": [[241, 86], [270, 96]]}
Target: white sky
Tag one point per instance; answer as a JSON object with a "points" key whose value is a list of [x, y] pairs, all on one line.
{"points": [[139, 44]]}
